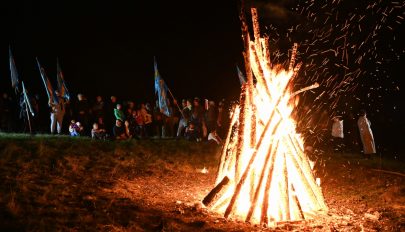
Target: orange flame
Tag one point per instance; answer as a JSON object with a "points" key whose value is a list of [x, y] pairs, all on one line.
{"points": [[269, 178]]}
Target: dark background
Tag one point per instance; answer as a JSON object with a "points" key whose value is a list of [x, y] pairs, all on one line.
{"points": [[107, 48]]}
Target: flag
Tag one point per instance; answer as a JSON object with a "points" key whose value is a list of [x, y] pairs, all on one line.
{"points": [[161, 92], [47, 84], [13, 72], [27, 100], [242, 78], [61, 82]]}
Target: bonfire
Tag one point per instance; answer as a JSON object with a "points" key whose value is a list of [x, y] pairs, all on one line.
{"points": [[264, 176]]}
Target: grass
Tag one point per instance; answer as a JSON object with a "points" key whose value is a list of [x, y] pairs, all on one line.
{"points": [[52, 183]]}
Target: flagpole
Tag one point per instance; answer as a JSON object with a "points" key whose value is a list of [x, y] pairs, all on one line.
{"points": [[178, 107], [28, 115]]}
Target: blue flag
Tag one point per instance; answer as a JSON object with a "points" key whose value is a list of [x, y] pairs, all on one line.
{"points": [[13, 72], [61, 82], [242, 78], [161, 92]]}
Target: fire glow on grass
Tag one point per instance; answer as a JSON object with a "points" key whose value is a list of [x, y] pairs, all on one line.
{"points": [[264, 175]]}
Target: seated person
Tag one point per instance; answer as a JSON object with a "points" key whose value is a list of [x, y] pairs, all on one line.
{"points": [[97, 133], [75, 128], [120, 131], [213, 136], [192, 133]]}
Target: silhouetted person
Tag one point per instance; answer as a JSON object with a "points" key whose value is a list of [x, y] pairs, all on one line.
{"points": [[366, 134]]}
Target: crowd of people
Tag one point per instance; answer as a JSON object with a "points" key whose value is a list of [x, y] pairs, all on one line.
{"points": [[191, 119]]}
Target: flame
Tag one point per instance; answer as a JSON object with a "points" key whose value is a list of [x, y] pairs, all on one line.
{"points": [[269, 178]]}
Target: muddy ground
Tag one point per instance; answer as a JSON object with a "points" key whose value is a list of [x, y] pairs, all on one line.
{"points": [[64, 184]]}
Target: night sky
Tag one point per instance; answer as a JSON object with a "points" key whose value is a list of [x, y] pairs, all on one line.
{"points": [[107, 48]]}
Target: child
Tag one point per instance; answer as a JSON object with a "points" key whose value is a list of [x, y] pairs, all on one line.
{"points": [[97, 133], [215, 137], [192, 132], [75, 128]]}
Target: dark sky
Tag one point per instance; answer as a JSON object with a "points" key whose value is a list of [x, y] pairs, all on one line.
{"points": [[107, 47]]}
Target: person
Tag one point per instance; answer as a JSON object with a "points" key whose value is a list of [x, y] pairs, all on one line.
{"points": [[98, 133], [120, 131], [337, 134], [118, 113], [98, 108], [75, 128], [366, 134], [221, 119], [147, 118], [185, 117], [213, 136], [57, 113], [192, 133], [211, 116], [83, 112]]}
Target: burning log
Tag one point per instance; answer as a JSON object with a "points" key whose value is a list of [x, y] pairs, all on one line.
{"points": [[216, 192], [264, 175]]}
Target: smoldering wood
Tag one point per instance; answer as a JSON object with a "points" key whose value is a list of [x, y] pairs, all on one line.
{"points": [[216, 192]]}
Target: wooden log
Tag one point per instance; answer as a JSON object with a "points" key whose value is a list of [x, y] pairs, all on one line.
{"points": [[266, 52], [285, 190], [306, 173], [238, 187], [216, 192], [226, 148], [268, 165], [256, 32], [241, 129], [293, 55], [313, 191], [297, 202]]}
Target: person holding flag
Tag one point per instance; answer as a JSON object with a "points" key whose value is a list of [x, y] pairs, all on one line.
{"points": [[56, 102], [161, 93], [163, 109]]}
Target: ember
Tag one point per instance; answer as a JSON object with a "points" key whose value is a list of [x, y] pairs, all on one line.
{"points": [[264, 175]]}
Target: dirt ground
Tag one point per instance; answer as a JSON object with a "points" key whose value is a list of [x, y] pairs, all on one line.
{"points": [[63, 184]]}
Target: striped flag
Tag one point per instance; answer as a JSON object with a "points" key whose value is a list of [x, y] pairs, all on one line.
{"points": [[242, 78], [27, 100], [47, 84], [61, 82], [161, 92], [13, 72]]}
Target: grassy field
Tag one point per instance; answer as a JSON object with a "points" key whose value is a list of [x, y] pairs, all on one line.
{"points": [[58, 183]]}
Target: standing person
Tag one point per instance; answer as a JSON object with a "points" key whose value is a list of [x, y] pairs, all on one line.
{"points": [[147, 119], [57, 113], [158, 121], [337, 134], [366, 134], [118, 113], [221, 120], [211, 116], [185, 117], [98, 108], [83, 112], [109, 113]]}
